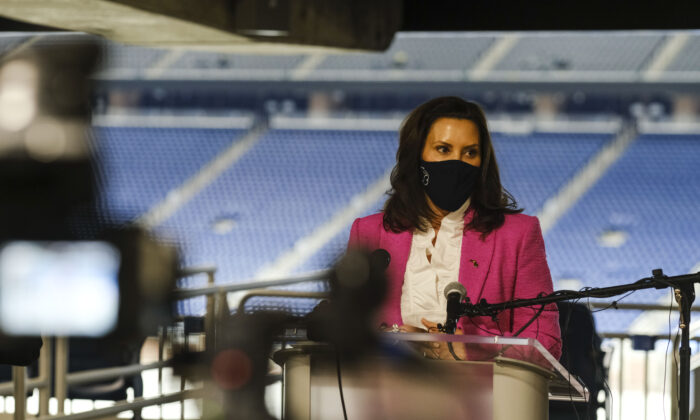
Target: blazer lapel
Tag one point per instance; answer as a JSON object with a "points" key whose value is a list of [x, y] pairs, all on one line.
{"points": [[476, 260]]}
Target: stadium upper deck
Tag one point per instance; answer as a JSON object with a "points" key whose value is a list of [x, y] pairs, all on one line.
{"points": [[448, 57]]}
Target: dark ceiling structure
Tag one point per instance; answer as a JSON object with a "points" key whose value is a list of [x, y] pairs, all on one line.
{"points": [[357, 24]]}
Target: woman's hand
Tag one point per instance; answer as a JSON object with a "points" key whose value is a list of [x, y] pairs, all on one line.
{"points": [[422, 347], [440, 349], [411, 329], [402, 328]]}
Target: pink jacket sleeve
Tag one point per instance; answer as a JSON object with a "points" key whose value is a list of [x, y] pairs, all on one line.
{"points": [[533, 278], [363, 234], [354, 234]]}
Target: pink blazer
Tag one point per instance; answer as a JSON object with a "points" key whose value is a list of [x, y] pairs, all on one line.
{"points": [[509, 263]]}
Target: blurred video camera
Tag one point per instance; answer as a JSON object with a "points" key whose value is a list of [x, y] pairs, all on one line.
{"points": [[235, 363], [64, 268]]}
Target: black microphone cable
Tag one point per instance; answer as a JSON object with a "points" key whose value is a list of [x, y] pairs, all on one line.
{"points": [[454, 292], [358, 287], [340, 383], [452, 351], [528, 323]]}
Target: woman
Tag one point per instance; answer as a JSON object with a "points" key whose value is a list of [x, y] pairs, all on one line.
{"points": [[449, 219]]}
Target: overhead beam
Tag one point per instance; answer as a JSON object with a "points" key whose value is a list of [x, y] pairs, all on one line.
{"points": [[503, 15], [357, 24]]}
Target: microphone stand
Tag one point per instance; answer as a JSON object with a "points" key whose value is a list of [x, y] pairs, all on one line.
{"points": [[684, 292]]}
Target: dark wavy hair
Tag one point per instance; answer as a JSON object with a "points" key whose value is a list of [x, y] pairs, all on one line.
{"points": [[407, 207]]}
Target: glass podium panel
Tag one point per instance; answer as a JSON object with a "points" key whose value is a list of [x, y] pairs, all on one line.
{"points": [[501, 350], [415, 375]]}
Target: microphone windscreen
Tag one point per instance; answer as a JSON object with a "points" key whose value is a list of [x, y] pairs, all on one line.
{"points": [[456, 287], [380, 259]]}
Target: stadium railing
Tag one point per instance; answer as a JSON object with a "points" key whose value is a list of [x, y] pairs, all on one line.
{"points": [[216, 303]]}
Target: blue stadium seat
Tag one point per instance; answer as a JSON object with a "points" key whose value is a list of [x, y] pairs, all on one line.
{"points": [[535, 166], [450, 51], [688, 58], [139, 166], [291, 182], [331, 251], [651, 196], [581, 52], [209, 60], [115, 57]]}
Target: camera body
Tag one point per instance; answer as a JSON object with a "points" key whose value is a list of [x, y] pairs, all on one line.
{"points": [[65, 269]]}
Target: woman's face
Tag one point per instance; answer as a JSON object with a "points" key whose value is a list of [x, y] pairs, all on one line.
{"points": [[452, 139]]}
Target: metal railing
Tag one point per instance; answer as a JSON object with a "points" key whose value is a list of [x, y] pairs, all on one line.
{"points": [[636, 306], [20, 383], [620, 338], [63, 380], [237, 287], [216, 305], [137, 404]]}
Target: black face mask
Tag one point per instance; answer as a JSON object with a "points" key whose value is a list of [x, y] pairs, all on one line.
{"points": [[448, 183]]}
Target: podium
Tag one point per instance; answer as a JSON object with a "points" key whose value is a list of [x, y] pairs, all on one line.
{"points": [[500, 378]]}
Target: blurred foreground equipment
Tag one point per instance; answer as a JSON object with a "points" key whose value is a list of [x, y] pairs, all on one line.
{"points": [[222, 24], [64, 269], [358, 288], [294, 26], [236, 364]]}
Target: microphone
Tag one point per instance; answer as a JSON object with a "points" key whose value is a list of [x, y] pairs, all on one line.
{"points": [[375, 292], [357, 289], [455, 292], [379, 259]]}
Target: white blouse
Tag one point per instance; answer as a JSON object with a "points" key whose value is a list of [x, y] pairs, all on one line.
{"points": [[422, 294]]}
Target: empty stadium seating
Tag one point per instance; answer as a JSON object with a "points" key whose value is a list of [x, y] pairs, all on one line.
{"points": [[201, 60], [116, 59], [411, 56], [415, 52], [688, 58], [139, 166], [292, 181], [650, 197], [535, 166], [581, 52], [284, 187], [121, 57]]}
